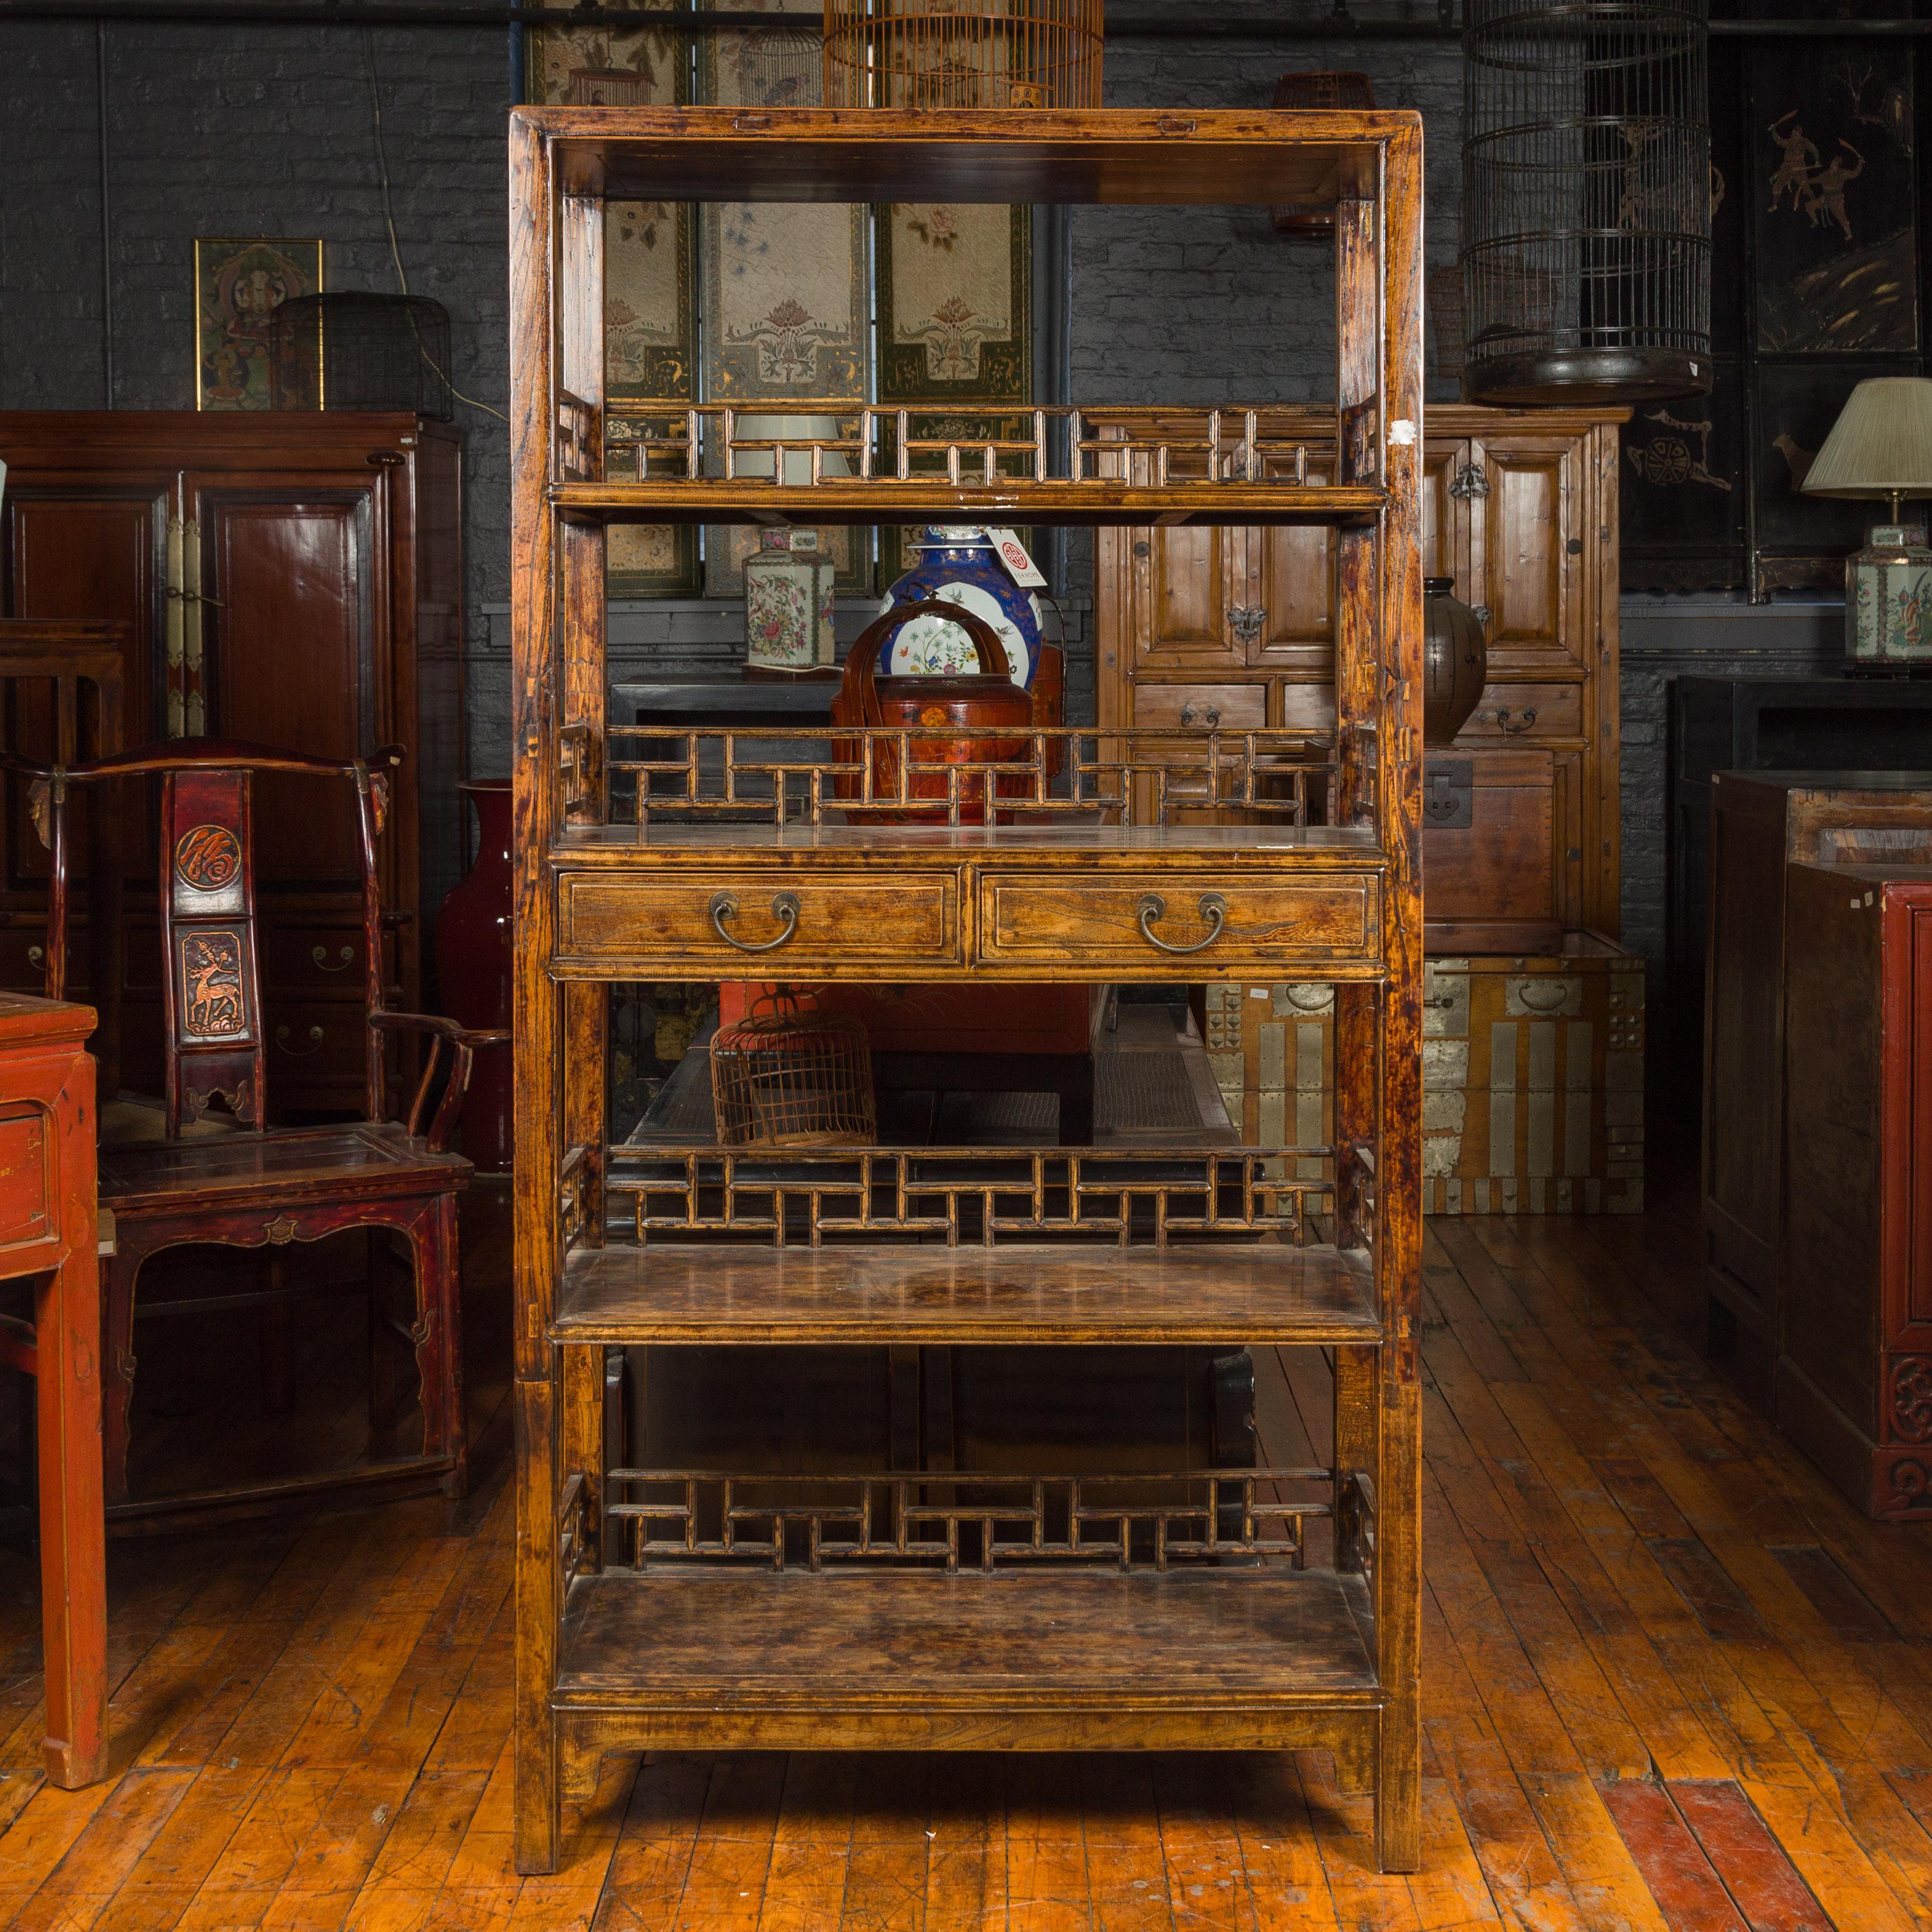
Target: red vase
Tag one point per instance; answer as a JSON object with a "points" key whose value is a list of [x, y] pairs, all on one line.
{"points": [[473, 961]]}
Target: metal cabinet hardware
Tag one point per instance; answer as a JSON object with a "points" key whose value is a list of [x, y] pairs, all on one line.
{"points": [[1213, 908], [784, 909]]}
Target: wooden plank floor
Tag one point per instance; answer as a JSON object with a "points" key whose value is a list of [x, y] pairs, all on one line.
{"points": [[1670, 1682]]}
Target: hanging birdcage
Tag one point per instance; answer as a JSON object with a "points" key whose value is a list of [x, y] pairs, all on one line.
{"points": [[963, 53], [1586, 201], [790, 1078]]}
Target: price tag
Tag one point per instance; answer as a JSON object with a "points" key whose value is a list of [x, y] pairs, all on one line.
{"points": [[1018, 566]]}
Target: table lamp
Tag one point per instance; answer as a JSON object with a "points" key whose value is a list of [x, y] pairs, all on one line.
{"points": [[1881, 445]]}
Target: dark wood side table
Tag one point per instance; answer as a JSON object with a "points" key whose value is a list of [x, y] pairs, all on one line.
{"points": [[1854, 1385], [48, 1229], [1834, 723], [1761, 822]]}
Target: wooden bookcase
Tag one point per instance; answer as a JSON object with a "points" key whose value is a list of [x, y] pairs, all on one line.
{"points": [[927, 1609]]}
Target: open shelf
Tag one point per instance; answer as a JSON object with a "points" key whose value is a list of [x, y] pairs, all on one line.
{"points": [[1270, 849], [932, 500], [1067, 1292], [1210, 1641]]}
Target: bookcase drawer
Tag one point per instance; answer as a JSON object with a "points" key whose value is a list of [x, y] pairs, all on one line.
{"points": [[1202, 924], [741, 923]]}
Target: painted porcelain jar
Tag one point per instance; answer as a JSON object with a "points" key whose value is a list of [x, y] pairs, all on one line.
{"points": [[789, 604], [958, 564]]}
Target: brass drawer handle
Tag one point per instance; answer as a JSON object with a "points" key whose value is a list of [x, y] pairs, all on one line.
{"points": [[1523, 723], [320, 955], [1213, 908], [37, 956], [784, 908], [1188, 716], [299, 1052]]}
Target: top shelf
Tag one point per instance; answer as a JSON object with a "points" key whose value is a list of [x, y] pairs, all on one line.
{"points": [[1178, 158]]}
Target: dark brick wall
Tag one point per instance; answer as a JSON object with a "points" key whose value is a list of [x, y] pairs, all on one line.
{"points": [[250, 131]]}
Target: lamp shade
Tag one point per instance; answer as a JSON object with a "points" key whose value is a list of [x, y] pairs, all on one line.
{"points": [[1881, 445]]}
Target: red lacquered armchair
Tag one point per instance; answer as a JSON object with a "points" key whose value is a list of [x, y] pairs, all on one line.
{"points": [[259, 1187]]}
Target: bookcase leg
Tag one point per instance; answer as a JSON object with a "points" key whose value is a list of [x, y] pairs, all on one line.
{"points": [[1398, 1583], [539, 1802]]}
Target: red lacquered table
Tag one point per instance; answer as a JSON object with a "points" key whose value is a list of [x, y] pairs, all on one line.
{"points": [[48, 1229]]}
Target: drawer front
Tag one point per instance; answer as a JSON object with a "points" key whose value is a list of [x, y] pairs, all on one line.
{"points": [[1202, 707], [1526, 711], [1113, 925], [315, 1041], [323, 960], [26, 1208], [761, 921]]}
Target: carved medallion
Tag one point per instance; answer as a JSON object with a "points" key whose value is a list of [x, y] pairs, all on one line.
{"points": [[208, 857], [281, 1230], [211, 978], [1912, 1398]]}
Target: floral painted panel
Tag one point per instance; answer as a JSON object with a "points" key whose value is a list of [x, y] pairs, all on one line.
{"points": [[785, 306], [955, 315], [650, 293]]}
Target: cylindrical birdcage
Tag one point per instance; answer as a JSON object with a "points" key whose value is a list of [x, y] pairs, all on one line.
{"points": [[788, 1078], [963, 53], [1586, 201], [1317, 90], [361, 350]]}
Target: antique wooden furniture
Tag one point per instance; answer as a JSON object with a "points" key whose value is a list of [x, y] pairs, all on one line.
{"points": [[66, 685], [1199, 627], [259, 1189], [1532, 1070], [1854, 1379], [287, 578], [1823, 724], [1052, 1610], [48, 1230], [1760, 823]]}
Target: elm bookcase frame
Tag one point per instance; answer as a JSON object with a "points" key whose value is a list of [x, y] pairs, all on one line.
{"points": [[696, 1610]]}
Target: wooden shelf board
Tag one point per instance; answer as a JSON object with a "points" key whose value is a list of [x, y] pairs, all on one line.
{"points": [[743, 1640], [762, 501], [1065, 1291], [1269, 847], [1191, 157]]}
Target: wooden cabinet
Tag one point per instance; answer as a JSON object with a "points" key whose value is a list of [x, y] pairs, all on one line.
{"points": [[1854, 1379], [1762, 822], [293, 579], [1520, 509]]}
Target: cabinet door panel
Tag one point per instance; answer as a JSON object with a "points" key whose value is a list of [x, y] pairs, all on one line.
{"points": [[1182, 588], [1290, 579], [287, 655], [1532, 580], [93, 556]]}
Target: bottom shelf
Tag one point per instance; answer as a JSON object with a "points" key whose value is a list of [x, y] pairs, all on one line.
{"points": [[737, 1643]]}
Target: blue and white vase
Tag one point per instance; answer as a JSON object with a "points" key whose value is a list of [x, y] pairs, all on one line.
{"points": [[958, 564]]}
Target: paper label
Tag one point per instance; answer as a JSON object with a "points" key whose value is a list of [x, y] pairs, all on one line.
{"points": [[1018, 566]]}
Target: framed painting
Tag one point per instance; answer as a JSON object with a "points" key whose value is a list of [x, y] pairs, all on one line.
{"points": [[239, 285]]}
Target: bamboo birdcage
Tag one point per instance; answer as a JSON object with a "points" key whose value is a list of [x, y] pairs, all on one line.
{"points": [[963, 53], [1586, 201], [790, 1078]]}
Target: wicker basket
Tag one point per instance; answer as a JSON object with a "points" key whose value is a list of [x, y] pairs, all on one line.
{"points": [[963, 53], [788, 1078]]}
